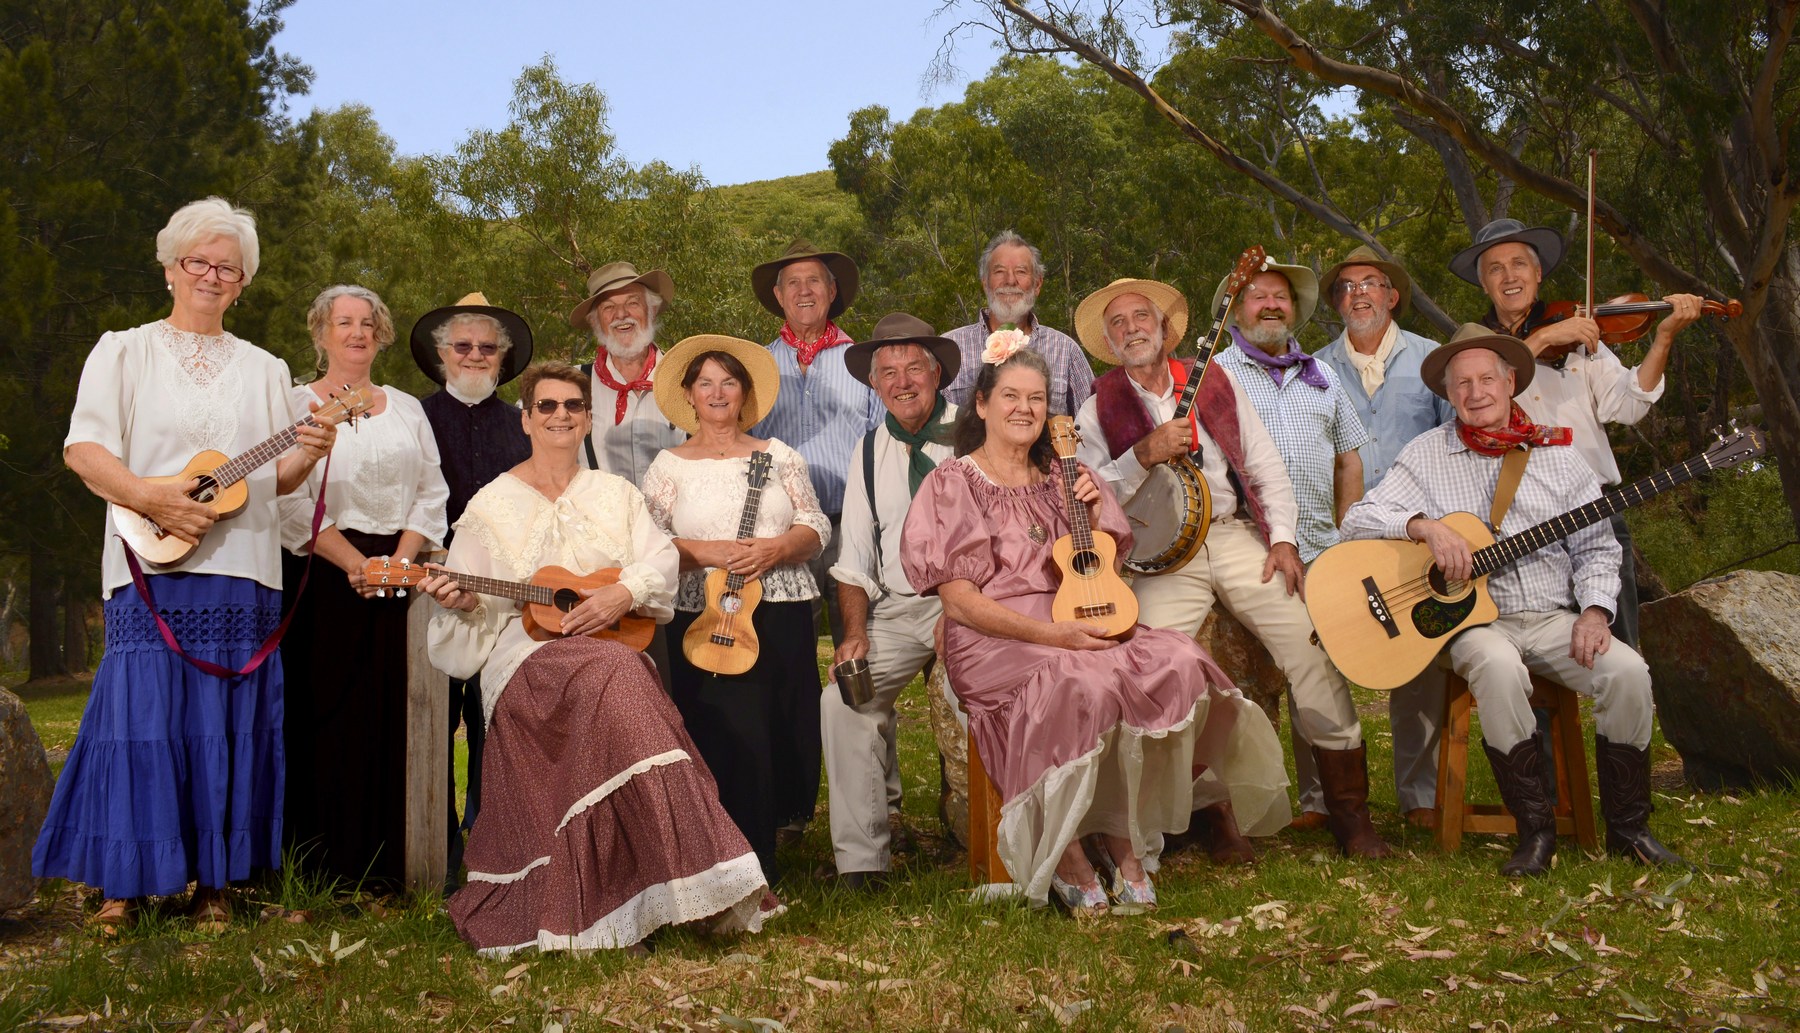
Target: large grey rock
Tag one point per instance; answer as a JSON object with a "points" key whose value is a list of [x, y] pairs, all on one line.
{"points": [[1724, 661], [25, 786]]}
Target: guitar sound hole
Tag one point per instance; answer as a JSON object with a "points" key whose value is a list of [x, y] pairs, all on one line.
{"points": [[1439, 584], [566, 599], [206, 491], [1086, 563]]}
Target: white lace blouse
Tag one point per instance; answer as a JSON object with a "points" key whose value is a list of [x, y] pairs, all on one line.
{"points": [[704, 499], [509, 531], [154, 396], [384, 476]]}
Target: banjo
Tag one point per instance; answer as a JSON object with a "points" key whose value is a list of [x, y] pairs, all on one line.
{"points": [[1172, 509]]}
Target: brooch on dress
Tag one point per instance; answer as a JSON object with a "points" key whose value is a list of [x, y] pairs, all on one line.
{"points": [[1037, 533]]}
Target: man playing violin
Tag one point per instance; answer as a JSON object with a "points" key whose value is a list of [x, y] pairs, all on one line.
{"points": [[1580, 383]]}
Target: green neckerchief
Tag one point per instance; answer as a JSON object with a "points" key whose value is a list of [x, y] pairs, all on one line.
{"points": [[918, 463]]}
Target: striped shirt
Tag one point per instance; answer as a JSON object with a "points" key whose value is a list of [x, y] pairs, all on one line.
{"points": [[823, 412], [1310, 428], [1438, 474], [1071, 378]]}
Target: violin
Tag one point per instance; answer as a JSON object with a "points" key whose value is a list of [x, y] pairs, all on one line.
{"points": [[1628, 316]]}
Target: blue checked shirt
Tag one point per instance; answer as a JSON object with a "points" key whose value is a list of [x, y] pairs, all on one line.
{"points": [[823, 412], [1438, 474], [1071, 378], [1310, 428]]}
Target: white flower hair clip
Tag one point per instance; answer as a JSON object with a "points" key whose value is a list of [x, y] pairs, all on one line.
{"points": [[1003, 344]]}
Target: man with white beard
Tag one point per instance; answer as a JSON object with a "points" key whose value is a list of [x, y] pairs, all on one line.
{"points": [[621, 311], [471, 348], [1012, 273]]}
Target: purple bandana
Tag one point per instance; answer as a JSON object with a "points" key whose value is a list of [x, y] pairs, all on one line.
{"points": [[1309, 366]]}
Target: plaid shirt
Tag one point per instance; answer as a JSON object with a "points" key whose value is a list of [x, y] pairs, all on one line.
{"points": [[1438, 474], [1071, 378]]}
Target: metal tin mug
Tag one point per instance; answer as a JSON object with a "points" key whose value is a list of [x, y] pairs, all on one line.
{"points": [[855, 687]]}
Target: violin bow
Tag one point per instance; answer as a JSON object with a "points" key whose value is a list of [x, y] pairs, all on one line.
{"points": [[1593, 164]]}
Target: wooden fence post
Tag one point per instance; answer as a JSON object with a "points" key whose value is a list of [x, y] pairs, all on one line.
{"points": [[427, 754]]}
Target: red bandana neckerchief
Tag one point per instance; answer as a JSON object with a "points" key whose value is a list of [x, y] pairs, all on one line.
{"points": [[642, 383], [806, 353], [1518, 431]]}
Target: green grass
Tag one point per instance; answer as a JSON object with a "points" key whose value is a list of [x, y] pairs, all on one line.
{"points": [[1302, 940]]}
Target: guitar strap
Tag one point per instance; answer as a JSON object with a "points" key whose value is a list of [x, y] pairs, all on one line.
{"points": [[587, 370], [868, 457], [1512, 471], [269, 644]]}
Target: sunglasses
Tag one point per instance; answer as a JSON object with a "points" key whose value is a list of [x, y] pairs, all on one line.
{"points": [[546, 406], [464, 348]]}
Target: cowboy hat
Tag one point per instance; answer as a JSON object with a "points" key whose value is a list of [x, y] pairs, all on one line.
{"points": [[424, 347], [1511, 350], [1365, 255], [759, 396], [1545, 241], [762, 278], [616, 276], [1090, 315], [900, 328], [1299, 277]]}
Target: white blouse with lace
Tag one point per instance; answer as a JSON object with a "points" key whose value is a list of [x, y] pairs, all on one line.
{"points": [[704, 499], [510, 530], [385, 476], [154, 396]]}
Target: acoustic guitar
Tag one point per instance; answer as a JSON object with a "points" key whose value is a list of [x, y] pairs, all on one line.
{"points": [[722, 639], [1092, 590], [551, 593], [1172, 508], [221, 484], [1382, 609]]}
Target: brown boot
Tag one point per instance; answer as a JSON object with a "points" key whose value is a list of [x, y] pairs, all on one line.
{"points": [[1344, 775], [1225, 842], [1521, 781], [1625, 803]]}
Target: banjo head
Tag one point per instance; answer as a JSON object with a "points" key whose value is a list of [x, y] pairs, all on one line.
{"points": [[1169, 515]]}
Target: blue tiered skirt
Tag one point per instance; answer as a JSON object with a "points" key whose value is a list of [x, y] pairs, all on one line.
{"points": [[176, 775]]}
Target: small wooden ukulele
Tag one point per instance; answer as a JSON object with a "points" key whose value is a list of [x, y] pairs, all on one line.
{"points": [[222, 487], [721, 639], [551, 592], [1092, 589]]}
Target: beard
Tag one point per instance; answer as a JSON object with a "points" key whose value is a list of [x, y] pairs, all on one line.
{"points": [[1147, 353], [628, 344], [473, 387], [1011, 307], [1267, 334], [1365, 322]]}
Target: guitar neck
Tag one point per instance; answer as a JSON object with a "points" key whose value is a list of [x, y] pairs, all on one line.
{"points": [[1493, 557], [1202, 358], [518, 591], [241, 466], [1081, 533]]}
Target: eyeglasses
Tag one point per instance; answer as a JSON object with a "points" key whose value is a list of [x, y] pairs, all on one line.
{"points": [[194, 265], [464, 348], [546, 406], [1361, 286]]}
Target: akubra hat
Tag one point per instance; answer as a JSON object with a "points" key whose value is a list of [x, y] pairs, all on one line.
{"points": [[1547, 242], [615, 276], [762, 278], [1299, 277], [1473, 335], [900, 328], [424, 348], [1365, 255], [671, 369], [1090, 315]]}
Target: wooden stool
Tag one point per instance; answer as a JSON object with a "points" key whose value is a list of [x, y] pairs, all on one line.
{"points": [[1574, 805], [985, 865]]}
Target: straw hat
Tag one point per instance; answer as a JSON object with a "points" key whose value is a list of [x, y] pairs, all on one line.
{"points": [[764, 386], [1545, 241], [900, 328], [1299, 277], [762, 278], [1474, 335], [616, 276], [424, 348], [1090, 315], [1365, 255]]}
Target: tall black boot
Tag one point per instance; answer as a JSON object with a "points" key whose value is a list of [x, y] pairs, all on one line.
{"points": [[1520, 776], [1625, 803], [1344, 777]]}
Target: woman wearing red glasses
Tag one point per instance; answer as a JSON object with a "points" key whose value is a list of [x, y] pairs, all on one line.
{"points": [[346, 650]]}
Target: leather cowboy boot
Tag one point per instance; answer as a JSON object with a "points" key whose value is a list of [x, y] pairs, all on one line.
{"points": [[1625, 803], [1521, 778], [1225, 842], [1344, 776]]}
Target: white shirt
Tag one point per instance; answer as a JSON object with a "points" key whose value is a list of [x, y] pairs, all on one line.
{"points": [[628, 446], [154, 396], [1589, 391], [857, 562], [384, 476], [1262, 461]]}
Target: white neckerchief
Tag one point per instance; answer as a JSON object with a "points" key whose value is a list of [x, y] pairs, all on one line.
{"points": [[1373, 368]]}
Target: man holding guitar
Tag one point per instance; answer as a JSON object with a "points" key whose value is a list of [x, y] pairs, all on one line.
{"points": [[1555, 604], [1249, 563]]}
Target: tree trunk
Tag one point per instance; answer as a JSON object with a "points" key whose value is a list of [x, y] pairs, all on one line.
{"points": [[1774, 369], [46, 632], [75, 627]]}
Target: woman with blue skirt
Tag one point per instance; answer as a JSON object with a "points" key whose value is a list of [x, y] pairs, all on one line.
{"points": [[176, 777]]}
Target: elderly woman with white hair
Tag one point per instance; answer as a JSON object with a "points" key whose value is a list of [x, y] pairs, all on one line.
{"points": [[176, 774], [346, 649]]}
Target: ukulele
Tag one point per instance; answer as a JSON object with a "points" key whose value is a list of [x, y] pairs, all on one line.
{"points": [[1092, 590], [551, 592], [721, 639], [221, 486]]}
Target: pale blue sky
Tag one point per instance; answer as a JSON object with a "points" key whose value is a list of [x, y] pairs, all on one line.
{"points": [[745, 91]]}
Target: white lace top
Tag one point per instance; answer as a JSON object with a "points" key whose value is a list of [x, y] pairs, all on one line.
{"points": [[154, 396], [384, 476], [509, 531], [704, 499]]}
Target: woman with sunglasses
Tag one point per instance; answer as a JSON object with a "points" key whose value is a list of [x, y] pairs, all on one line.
{"points": [[346, 649], [600, 821]]}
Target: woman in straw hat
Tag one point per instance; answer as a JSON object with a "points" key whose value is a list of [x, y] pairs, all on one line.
{"points": [[759, 731], [600, 823]]}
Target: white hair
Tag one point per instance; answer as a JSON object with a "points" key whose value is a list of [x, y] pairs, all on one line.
{"points": [[1003, 239], [203, 220]]}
